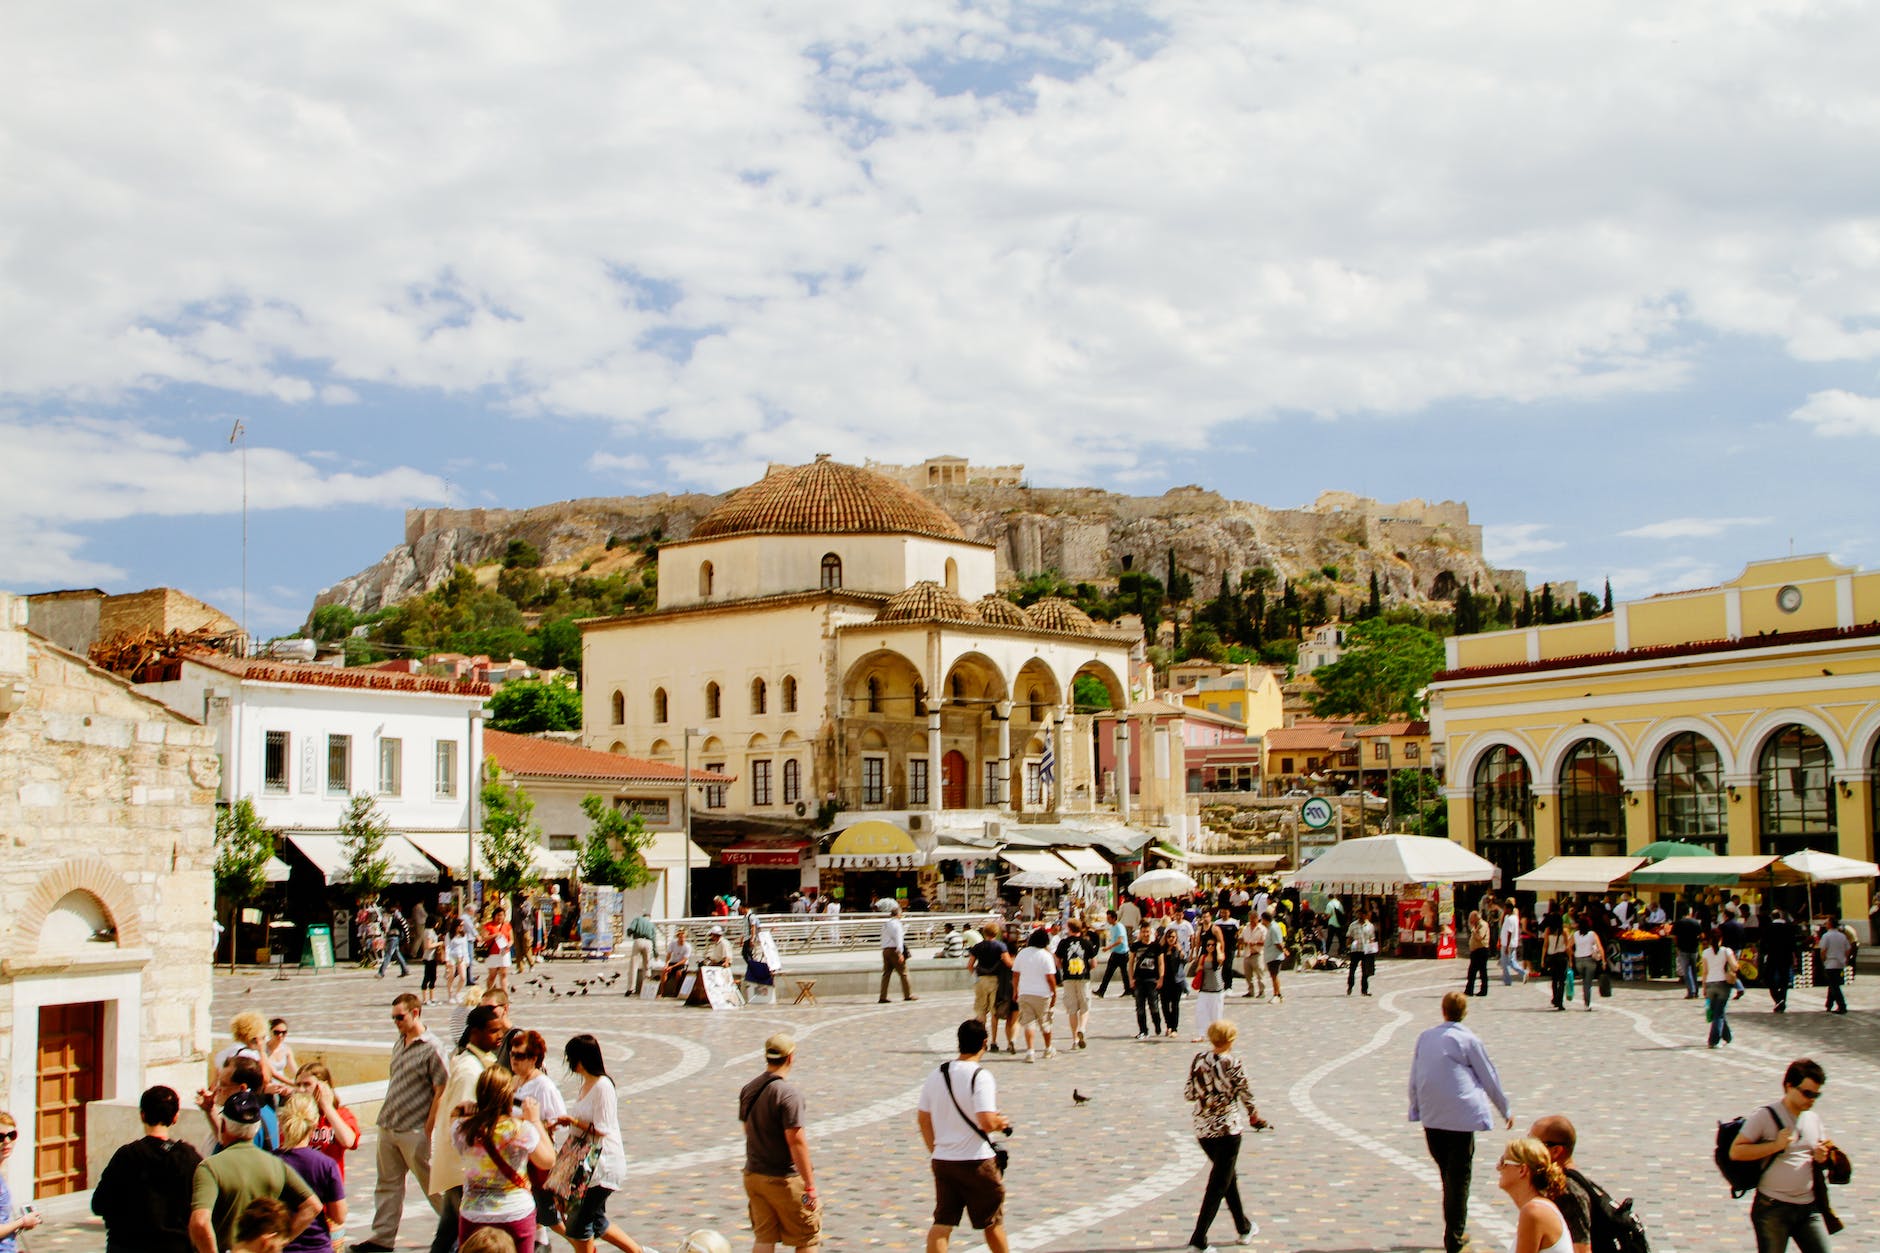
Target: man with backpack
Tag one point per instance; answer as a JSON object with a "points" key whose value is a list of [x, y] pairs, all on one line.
{"points": [[1787, 1139], [1595, 1223]]}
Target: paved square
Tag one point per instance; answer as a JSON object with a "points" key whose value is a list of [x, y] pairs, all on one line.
{"points": [[1341, 1171]]}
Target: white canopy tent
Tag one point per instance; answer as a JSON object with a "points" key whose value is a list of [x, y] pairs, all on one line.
{"points": [[447, 850], [1819, 867], [276, 870], [328, 856], [1028, 861], [1083, 861], [1392, 861], [1578, 874]]}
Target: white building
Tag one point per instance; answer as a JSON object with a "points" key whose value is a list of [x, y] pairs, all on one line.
{"points": [[1322, 647]]}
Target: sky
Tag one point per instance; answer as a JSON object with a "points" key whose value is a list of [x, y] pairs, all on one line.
{"points": [[1608, 272]]}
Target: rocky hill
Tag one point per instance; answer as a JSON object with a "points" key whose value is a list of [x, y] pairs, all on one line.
{"points": [[1420, 551]]}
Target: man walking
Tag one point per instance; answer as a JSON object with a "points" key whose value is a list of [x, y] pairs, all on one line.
{"points": [[1777, 953], [1789, 1138], [239, 1173], [1688, 933], [640, 935], [958, 1112], [1576, 1203], [894, 953], [1361, 951], [1273, 951], [986, 960], [1835, 950], [1035, 971], [1253, 957], [778, 1181], [1076, 953], [395, 937], [144, 1193], [1145, 980], [1452, 1086], [412, 1095], [1116, 952], [1511, 945], [1476, 945], [484, 1032]]}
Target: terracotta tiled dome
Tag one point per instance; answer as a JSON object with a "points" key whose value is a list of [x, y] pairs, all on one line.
{"points": [[927, 601], [1054, 613], [999, 611], [827, 498]]}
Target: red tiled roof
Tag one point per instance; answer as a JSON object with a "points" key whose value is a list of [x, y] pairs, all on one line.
{"points": [[529, 757], [334, 676], [827, 498], [1665, 652], [1400, 727], [1296, 738]]}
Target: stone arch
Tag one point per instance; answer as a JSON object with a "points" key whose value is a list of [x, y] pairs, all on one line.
{"points": [[1103, 674], [980, 681], [953, 576], [1659, 734], [884, 684], [660, 751], [619, 748], [1864, 740], [758, 743], [619, 707], [705, 580], [1035, 691], [1462, 770], [1547, 769], [96, 878], [1750, 743]]}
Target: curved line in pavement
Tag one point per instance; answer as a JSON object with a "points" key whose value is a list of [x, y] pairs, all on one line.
{"points": [[1300, 1094], [802, 1033], [693, 1057], [1189, 1159], [1729, 1054]]}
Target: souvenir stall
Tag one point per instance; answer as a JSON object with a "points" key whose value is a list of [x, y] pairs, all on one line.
{"points": [[1417, 872]]}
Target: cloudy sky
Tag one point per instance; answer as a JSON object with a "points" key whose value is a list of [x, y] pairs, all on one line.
{"points": [[1609, 272]]}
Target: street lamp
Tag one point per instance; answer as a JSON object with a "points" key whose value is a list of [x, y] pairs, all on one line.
{"points": [[685, 901], [475, 715]]}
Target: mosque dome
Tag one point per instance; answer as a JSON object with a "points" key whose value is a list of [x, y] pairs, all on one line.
{"points": [[927, 601], [1054, 613], [999, 611], [827, 497]]}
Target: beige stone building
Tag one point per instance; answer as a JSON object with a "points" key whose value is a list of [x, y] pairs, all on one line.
{"points": [[107, 810]]}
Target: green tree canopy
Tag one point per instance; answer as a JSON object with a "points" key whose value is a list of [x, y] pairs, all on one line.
{"points": [[1383, 672], [528, 706], [362, 835], [610, 855], [510, 837], [242, 848]]}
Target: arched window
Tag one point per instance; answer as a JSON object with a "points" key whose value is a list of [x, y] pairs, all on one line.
{"points": [[620, 707], [704, 580], [760, 697], [1797, 796], [1504, 811], [659, 704], [959, 688], [711, 700], [792, 781], [953, 576], [874, 695], [789, 693], [1687, 787], [1592, 814], [831, 572], [1037, 704]]}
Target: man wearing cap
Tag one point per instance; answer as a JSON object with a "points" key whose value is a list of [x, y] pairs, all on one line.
{"points": [[238, 1174], [717, 949], [778, 1181], [894, 954]]}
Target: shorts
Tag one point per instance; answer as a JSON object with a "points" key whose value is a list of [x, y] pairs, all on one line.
{"points": [[1272, 968], [589, 1219], [1035, 1009], [1006, 1003], [1074, 994], [973, 1187], [497, 961], [985, 995], [778, 1215]]}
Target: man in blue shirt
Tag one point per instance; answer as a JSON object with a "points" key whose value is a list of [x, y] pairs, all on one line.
{"points": [[1452, 1086], [1116, 944]]}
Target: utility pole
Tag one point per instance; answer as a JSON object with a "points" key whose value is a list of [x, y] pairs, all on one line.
{"points": [[235, 436]]}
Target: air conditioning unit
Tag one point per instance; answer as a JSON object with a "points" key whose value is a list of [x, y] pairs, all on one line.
{"points": [[917, 823], [995, 830]]}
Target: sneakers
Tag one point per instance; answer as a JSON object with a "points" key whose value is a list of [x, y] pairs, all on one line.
{"points": [[1030, 1056], [1049, 1052], [1142, 1035], [1200, 1248], [1246, 1237]]}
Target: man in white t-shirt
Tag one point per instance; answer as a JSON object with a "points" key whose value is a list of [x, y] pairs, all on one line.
{"points": [[966, 1178], [1511, 945], [1253, 957], [1790, 1139], [1034, 971], [894, 954]]}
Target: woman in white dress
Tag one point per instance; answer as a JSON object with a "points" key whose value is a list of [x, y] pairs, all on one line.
{"points": [[595, 1111], [1532, 1179], [1211, 992]]}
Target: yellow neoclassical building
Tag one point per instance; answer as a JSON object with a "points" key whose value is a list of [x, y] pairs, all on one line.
{"points": [[1744, 716]]}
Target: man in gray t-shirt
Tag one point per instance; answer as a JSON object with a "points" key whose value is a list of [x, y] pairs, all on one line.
{"points": [[778, 1179], [1836, 950], [1789, 1139]]}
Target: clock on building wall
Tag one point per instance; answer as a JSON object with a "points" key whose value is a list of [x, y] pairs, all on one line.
{"points": [[1789, 599]]}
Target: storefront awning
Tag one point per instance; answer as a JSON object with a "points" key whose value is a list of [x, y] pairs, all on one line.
{"points": [[869, 861], [1578, 874], [1030, 862], [873, 837], [668, 850], [767, 853], [329, 858], [1084, 861], [276, 870], [447, 850]]}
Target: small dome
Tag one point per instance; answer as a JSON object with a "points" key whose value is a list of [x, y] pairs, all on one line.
{"points": [[927, 601], [1054, 613], [999, 611], [827, 498]]}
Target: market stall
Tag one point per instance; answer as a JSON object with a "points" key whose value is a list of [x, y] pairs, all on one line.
{"points": [[1417, 871]]}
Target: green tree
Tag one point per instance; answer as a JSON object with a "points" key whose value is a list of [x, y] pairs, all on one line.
{"points": [[1089, 694], [1384, 671], [1374, 608], [242, 849], [521, 554], [610, 855], [528, 706], [1201, 641], [1468, 619], [1417, 800], [332, 622], [559, 645], [362, 835], [1607, 607], [510, 837]]}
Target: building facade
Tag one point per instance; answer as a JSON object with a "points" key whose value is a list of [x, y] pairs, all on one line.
{"points": [[1744, 717]]}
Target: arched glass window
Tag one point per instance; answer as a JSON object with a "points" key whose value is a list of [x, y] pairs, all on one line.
{"points": [[659, 704], [1504, 811], [792, 781], [1687, 786], [789, 693], [711, 700], [1792, 777], [760, 697], [874, 695], [620, 707], [831, 572], [704, 579], [1592, 813]]}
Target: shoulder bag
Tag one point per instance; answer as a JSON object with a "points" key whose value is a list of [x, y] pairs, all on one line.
{"points": [[575, 1163], [999, 1156]]}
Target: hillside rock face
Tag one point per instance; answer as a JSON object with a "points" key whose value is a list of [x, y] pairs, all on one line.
{"points": [[1419, 551]]}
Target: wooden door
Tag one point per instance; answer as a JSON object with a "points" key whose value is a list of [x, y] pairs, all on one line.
{"points": [[69, 1074], [953, 780]]}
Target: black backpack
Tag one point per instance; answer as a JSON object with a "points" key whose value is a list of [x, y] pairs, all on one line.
{"points": [[1611, 1228], [1742, 1176]]}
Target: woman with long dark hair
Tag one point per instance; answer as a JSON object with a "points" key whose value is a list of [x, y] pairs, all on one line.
{"points": [[1174, 979], [595, 1112], [1211, 991]]}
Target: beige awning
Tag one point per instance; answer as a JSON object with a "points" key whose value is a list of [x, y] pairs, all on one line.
{"points": [[668, 849], [1578, 874], [1084, 861], [328, 856], [1035, 861], [447, 849]]}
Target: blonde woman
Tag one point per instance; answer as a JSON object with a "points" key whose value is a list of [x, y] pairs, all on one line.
{"points": [[1218, 1086], [1532, 1179], [10, 1226], [300, 1115], [250, 1032]]}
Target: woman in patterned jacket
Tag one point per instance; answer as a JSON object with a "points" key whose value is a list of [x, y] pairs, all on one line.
{"points": [[1218, 1086]]}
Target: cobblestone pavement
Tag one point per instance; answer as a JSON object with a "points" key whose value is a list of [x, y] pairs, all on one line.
{"points": [[1341, 1170]]}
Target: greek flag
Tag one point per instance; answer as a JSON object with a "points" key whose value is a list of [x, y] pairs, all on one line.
{"points": [[1047, 766]]}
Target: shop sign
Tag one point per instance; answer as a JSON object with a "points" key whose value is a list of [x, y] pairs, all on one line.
{"points": [[1318, 813], [653, 810]]}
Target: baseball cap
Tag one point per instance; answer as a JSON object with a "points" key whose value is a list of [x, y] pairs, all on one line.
{"points": [[779, 1046], [243, 1107], [718, 930]]}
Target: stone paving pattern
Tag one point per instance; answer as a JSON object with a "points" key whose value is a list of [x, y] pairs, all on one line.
{"points": [[1342, 1171]]}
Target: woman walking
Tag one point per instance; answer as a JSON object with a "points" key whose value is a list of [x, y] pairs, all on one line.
{"points": [[528, 1051], [596, 1112], [1719, 974], [1554, 957], [457, 960], [501, 941], [1211, 998], [1174, 979], [1588, 955], [499, 1138], [430, 947], [1532, 1179], [1218, 1087]]}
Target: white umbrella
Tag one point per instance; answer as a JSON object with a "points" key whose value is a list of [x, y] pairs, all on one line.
{"points": [[1033, 879], [1394, 860], [1820, 867], [1160, 883]]}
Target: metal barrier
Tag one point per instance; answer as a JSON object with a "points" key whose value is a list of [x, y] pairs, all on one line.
{"points": [[815, 933]]}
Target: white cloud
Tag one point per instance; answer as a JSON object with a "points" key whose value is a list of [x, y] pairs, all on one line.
{"points": [[1840, 413], [41, 559], [1511, 543], [765, 232], [1691, 528], [631, 464]]}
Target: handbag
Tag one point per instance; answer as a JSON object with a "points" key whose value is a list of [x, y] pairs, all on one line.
{"points": [[575, 1163], [999, 1156]]}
